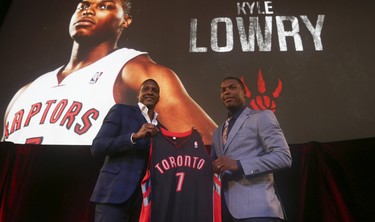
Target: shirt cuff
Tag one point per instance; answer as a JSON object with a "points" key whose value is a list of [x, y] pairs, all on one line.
{"points": [[131, 138]]}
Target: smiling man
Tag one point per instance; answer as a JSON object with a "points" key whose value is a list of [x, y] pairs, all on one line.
{"points": [[68, 105], [124, 141]]}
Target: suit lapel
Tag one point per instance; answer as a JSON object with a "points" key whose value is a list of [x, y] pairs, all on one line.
{"points": [[221, 139], [237, 125], [140, 118]]}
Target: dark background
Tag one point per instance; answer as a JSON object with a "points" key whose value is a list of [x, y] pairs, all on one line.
{"points": [[327, 95]]}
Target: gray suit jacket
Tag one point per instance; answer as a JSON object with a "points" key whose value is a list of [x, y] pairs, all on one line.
{"points": [[257, 141]]}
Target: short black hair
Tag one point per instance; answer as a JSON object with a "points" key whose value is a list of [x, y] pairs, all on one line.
{"points": [[237, 79], [150, 80]]}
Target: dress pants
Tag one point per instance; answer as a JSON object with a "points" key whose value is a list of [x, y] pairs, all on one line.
{"points": [[128, 211], [227, 217]]}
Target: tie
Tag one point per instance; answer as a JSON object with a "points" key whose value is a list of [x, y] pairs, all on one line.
{"points": [[225, 130]]}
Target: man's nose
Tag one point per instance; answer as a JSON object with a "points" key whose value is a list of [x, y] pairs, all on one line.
{"points": [[149, 92], [225, 92], [88, 11]]}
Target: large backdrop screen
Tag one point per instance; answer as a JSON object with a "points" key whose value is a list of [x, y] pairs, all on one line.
{"points": [[310, 61]]}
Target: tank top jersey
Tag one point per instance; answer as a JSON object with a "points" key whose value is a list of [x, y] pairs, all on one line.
{"points": [[71, 112], [179, 186]]}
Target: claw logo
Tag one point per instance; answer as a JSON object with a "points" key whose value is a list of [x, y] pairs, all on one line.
{"points": [[263, 101]]}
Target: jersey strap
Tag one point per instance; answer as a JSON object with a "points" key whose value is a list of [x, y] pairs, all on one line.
{"points": [[217, 198], [145, 215]]}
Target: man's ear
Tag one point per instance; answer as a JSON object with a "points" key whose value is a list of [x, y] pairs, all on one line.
{"points": [[127, 21]]}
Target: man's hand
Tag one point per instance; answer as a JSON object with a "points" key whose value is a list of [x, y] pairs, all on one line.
{"points": [[146, 130], [225, 163]]}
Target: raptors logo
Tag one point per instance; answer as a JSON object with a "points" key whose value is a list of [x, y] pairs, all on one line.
{"points": [[263, 101]]}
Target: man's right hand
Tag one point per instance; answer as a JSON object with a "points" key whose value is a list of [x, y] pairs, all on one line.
{"points": [[146, 130]]}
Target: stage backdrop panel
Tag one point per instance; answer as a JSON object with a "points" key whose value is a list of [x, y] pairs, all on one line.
{"points": [[311, 61]]}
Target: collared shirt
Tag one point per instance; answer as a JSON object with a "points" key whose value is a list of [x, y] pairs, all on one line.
{"points": [[144, 110], [234, 117]]}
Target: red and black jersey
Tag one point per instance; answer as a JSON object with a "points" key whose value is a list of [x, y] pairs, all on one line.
{"points": [[181, 179]]}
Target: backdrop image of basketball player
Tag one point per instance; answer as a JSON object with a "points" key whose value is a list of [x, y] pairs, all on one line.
{"points": [[68, 104]]}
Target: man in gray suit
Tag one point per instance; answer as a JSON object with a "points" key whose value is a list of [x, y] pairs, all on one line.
{"points": [[246, 151]]}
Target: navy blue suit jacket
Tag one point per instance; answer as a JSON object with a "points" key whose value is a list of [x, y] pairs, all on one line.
{"points": [[125, 162]]}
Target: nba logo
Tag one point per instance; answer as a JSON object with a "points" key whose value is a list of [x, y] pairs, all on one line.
{"points": [[95, 77], [195, 144]]}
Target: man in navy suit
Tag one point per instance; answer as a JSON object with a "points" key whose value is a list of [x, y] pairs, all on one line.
{"points": [[123, 140], [246, 151]]}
